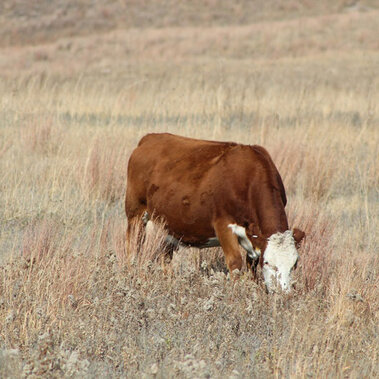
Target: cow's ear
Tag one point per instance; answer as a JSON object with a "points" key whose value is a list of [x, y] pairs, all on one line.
{"points": [[298, 235]]}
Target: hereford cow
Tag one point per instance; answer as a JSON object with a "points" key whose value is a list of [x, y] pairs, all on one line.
{"points": [[215, 193]]}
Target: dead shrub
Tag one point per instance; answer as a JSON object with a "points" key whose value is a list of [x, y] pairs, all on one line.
{"points": [[105, 171], [148, 245], [39, 240], [319, 170], [316, 263], [305, 169], [10, 363], [5, 145], [40, 135]]}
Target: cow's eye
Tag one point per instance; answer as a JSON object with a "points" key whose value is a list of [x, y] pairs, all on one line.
{"points": [[265, 263]]}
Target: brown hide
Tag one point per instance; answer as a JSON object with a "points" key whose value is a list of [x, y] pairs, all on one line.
{"points": [[199, 187]]}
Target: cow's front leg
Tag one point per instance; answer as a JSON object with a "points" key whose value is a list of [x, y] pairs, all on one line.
{"points": [[252, 256], [230, 245], [252, 264]]}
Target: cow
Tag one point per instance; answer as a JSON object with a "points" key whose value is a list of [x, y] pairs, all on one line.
{"points": [[212, 193]]}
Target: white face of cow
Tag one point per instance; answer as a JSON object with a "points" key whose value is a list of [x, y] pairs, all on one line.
{"points": [[279, 259]]}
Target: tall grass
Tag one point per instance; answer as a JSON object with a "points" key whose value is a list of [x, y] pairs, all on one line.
{"points": [[72, 303]]}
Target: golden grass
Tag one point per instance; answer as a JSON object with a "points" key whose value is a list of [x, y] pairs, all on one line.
{"points": [[71, 303]]}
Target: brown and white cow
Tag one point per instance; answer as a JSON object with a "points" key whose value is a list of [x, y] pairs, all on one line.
{"points": [[215, 193]]}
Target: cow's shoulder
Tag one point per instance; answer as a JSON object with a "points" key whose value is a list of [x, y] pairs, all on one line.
{"points": [[262, 152], [271, 170]]}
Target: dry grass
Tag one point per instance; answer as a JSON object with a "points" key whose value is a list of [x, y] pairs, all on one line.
{"points": [[73, 108]]}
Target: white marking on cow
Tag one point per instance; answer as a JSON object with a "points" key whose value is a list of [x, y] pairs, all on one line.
{"points": [[145, 218], [240, 232], [211, 242], [171, 240], [280, 257]]}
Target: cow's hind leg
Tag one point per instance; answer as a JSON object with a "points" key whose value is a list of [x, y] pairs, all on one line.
{"points": [[170, 245], [135, 233], [230, 245], [135, 210]]}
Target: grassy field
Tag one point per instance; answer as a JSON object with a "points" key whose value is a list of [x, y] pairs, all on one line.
{"points": [[79, 86]]}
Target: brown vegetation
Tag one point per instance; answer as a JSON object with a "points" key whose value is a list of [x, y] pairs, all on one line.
{"points": [[299, 81]]}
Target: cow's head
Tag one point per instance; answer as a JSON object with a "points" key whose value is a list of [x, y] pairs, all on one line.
{"points": [[280, 259], [278, 253]]}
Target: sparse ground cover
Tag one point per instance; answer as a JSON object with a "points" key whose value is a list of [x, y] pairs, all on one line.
{"points": [[74, 103]]}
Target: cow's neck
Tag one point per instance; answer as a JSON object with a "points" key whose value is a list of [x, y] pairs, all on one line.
{"points": [[271, 216]]}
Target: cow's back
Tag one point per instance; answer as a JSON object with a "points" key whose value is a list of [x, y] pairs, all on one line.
{"points": [[165, 157], [179, 149]]}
